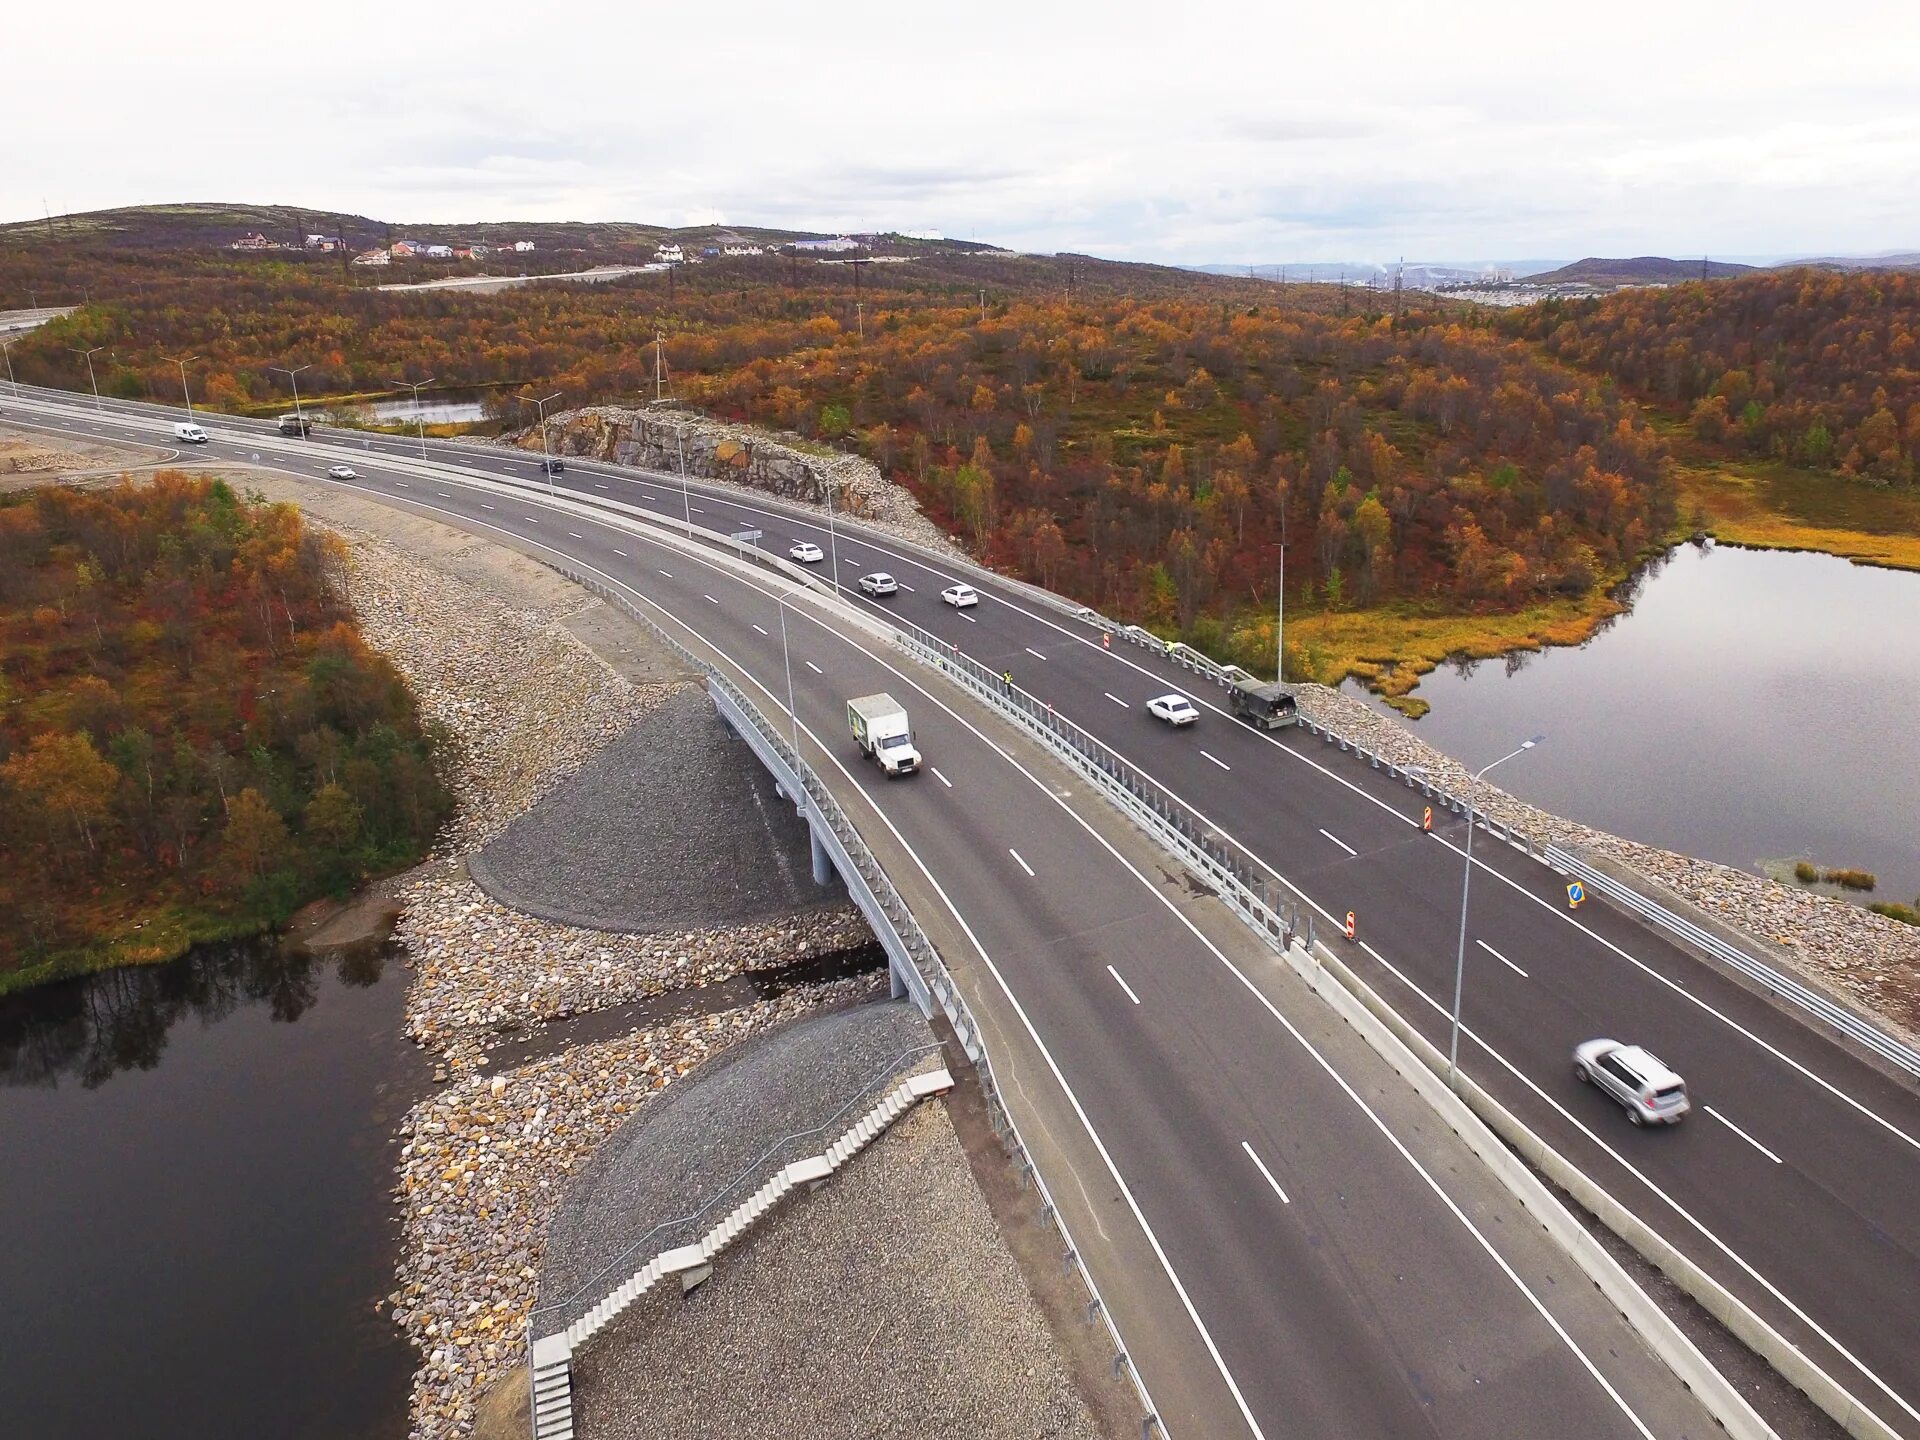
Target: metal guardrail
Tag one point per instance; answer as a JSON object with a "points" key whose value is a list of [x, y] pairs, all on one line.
{"points": [[1871, 1037], [936, 980]]}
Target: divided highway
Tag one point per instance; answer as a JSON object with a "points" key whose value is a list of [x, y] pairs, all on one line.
{"points": [[1791, 1182]]}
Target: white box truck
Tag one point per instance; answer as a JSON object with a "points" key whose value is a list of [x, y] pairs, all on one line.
{"points": [[879, 723]]}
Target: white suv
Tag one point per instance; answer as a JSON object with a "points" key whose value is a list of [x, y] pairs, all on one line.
{"points": [[1649, 1091]]}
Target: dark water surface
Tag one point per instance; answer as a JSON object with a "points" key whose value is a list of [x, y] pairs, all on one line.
{"points": [[1752, 706], [194, 1167]]}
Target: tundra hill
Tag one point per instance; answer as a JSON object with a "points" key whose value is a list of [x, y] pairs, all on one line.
{"points": [[1640, 270], [1905, 260]]}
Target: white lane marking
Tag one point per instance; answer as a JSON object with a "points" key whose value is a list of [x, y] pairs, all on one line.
{"points": [[485, 506], [576, 534], [1035, 653], [968, 618], [443, 494], [1266, 1172], [1338, 841], [1123, 984], [645, 496], [1502, 959], [1022, 863], [667, 573], [813, 667], [1640, 1175], [623, 554], [1218, 761], [1680, 989], [941, 778], [697, 510], [1116, 699], [709, 597], [403, 484], [763, 632], [598, 486], [1742, 1134], [530, 519], [904, 586]]}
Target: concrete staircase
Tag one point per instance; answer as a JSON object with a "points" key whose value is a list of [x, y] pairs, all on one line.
{"points": [[552, 1355]]}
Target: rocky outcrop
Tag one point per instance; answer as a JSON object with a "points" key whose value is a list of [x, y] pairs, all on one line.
{"points": [[675, 440]]}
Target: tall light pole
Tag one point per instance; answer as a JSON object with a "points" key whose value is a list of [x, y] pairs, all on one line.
{"points": [[793, 715], [183, 361], [1280, 606], [541, 405], [686, 501], [833, 538], [419, 415], [1466, 885], [293, 375], [7, 345], [90, 380]]}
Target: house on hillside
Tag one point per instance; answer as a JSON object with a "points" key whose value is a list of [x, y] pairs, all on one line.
{"points": [[323, 242], [522, 247], [670, 255], [743, 250], [437, 252], [472, 252], [373, 257], [253, 240], [839, 242], [404, 249]]}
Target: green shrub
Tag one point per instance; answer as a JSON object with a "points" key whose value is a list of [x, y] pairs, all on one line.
{"points": [[1852, 879], [1905, 914], [1805, 872]]}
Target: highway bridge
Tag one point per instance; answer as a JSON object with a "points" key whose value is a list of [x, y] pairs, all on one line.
{"points": [[1287, 1245]]}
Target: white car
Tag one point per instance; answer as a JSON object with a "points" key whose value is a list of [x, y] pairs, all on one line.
{"points": [[342, 472], [1644, 1087], [879, 583], [960, 596], [807, 553], [1176, 710]]}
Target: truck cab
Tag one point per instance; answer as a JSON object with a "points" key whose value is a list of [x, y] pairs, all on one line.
{"points": [[880, 726]]}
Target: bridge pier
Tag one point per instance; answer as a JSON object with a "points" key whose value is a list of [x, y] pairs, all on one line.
{"points": [[822, 858]]}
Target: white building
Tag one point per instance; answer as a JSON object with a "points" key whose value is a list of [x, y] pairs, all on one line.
{"points": [[521, 247], [743, 250], [373, 257], [670, 255], [839, 242]]}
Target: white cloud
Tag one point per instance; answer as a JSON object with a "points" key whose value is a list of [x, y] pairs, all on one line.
{"points": [[1253, 132]]}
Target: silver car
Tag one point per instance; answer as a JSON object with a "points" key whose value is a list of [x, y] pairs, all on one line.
{"points": [[879, 583], [1651, 1093]]}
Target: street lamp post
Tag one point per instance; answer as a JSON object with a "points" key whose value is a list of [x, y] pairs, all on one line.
{"points": [[833, 538], [793, 714], [293, 376], [7, 345], [90, 380], [547, 454], [1466, 885], [183, 361], [686, 500], [419, 415]]}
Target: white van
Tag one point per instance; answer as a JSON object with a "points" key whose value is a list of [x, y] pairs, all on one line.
{"points": [[191, 434]]}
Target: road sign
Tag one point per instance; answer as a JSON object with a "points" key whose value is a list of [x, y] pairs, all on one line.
{"points": [[1576, 892], [747, 537]]}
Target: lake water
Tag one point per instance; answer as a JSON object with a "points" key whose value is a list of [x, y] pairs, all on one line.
{"points": [[194, 1173], [434, 412], [1752, 706]]}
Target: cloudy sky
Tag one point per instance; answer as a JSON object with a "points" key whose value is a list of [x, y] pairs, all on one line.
{"points": [[1176, 132]]}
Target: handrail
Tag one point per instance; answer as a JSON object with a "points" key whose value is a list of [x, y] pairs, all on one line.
{"points": [[878, 1081]]}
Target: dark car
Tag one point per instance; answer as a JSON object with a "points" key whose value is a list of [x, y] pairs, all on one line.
{"points": [[553, 467]]}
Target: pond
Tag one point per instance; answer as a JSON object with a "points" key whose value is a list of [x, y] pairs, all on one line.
{"points": [[1752, 706], [434, 410], [197, 1159]]}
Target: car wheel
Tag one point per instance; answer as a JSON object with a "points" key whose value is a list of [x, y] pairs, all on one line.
{"points": [[1635, 1116], [1581, 1073]]}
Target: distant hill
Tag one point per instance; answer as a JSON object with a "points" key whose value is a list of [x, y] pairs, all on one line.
{"points": [[1907, 260], [1640, 270]]}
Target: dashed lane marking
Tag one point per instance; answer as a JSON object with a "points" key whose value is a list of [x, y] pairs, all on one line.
{"points": [[1022, 863], [1123, 984], [1742, 1134], [941, 778], [1266, 1172], [1116, 699], [1338, 841], [1502, 959], [1222, 764]]}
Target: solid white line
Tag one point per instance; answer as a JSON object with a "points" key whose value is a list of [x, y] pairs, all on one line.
{"points": [[1338, 841], [763, 632], [1022, 863], [1266, 1172], [1035, 653], [1501, 958], [623, 554], [941, 778], [1742, 1134], [1218, 761], [1123, 984], [1116, 699], [813, 667]]}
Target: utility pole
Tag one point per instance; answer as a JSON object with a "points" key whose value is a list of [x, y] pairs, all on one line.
{"points": [[1397, 272], [419, 415], [659, 365], [860, 319], [1703, 267], [90, 380], [183, 362], [293, 375], [546, 468], [1280, 606], [983, 304]]}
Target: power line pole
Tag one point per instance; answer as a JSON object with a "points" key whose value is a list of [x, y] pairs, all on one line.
{"points": [[659, 365]]}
